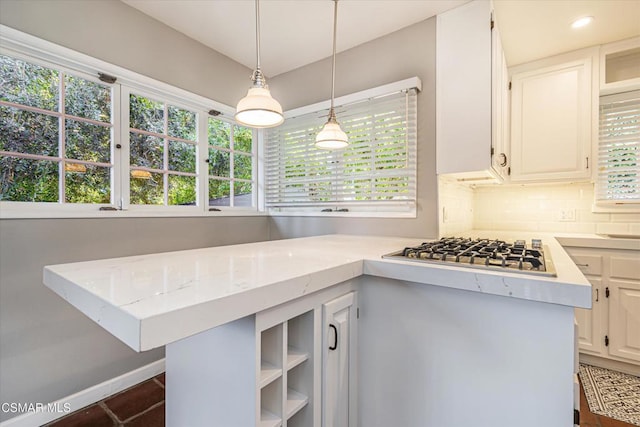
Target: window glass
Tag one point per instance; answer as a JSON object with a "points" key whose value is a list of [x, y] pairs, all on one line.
{"points": [[219, 192], [242, 166], [242, 193], [28, 180], [182, 190], [87, 99], [146, 114], [182, 156], [219, 162], [87, 183], [146, 188], [28, 84], [242, 139], [87, 141], [219, 133], [146, 151], [182, 123], [28, 132]]}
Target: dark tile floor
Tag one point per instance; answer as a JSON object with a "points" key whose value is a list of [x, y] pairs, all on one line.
{"points": [[143, 406], [139, 406]]}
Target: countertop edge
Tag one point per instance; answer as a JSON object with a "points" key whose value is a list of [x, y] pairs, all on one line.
{"points": [[142, 333]]}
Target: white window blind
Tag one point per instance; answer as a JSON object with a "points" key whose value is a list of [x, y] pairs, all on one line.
{"points": [[377, 171], [619, 149]]}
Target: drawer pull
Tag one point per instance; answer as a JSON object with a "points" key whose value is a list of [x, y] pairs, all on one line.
{"points": [[582, 265]]}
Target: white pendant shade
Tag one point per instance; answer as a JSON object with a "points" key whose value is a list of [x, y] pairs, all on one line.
{"points": [[331, 137], [258, 109]]}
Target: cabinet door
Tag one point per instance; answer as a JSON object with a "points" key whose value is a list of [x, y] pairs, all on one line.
{"points": [[499, 107], [551, 123], [338, 376], [590, 334], [624, 319], [463, 89]]}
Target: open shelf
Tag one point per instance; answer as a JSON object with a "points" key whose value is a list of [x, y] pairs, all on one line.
{"points": [[285, 371], [295, 357], [295, 402], [267, 419], [268, 373]]}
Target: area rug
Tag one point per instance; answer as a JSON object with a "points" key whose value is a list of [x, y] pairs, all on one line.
{"points": [[612, 394]]}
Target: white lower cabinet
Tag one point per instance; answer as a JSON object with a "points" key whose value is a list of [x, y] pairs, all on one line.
{"points": [[624, 319], [611, 329], [338, 355], [299, 379]]}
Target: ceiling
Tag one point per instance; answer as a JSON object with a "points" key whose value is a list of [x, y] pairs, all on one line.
{"points": [[298, 32]]}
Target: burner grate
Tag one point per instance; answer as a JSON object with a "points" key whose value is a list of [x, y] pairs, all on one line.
{"points": [[481, 253]]}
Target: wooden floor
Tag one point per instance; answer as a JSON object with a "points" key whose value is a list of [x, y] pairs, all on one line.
{"points": [[143, 406]]}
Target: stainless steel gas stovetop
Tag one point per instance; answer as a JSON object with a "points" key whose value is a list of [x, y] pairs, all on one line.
{"points": [[516, 257]]}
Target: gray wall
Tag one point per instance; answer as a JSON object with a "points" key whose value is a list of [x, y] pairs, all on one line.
{"points": [[405, 53], [48, 350]]}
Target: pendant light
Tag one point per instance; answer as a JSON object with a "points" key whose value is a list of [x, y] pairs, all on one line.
{"points": [[331, 137], [258, 109]]}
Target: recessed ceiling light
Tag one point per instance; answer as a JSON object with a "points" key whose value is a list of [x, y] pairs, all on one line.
{"points": [[581, 22]]}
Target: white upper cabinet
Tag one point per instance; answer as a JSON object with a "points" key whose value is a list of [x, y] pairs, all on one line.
{"points": [[470, 85], [553, 114], [620, 66]]}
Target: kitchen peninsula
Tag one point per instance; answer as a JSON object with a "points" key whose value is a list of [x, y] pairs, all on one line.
{"points": [[249, 330]]}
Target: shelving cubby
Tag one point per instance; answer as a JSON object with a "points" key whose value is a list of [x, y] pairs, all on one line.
{"points": [[286, 371]]}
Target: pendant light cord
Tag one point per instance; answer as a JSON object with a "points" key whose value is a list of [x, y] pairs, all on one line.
{"points": [[258, 34], [333, 68]]}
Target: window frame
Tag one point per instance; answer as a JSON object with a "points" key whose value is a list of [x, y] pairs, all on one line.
{"points": [[31, 49]]}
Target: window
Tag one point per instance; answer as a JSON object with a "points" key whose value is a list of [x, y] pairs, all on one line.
{"points": [[231, 164], [162, 153], [55, 135], [74, 142], [619, 149], [376, 172]]}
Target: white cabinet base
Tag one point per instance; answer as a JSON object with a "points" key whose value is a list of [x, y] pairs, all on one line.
{"points": [[211, 377], [431, 356]]}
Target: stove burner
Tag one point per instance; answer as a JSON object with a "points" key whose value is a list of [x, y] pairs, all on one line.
{"points": [[480, 253]]}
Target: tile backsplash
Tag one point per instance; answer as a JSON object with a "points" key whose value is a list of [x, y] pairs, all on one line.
{"points": [[548, 207], [455, 207]]}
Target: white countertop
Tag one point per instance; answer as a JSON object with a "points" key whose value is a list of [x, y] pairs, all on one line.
{"points": [[151, 300]]}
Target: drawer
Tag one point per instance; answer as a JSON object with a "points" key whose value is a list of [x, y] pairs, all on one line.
{"points": [[627, 267], [588, 264]]}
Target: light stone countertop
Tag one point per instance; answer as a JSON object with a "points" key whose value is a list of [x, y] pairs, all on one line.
{"points": [[148, 301]]}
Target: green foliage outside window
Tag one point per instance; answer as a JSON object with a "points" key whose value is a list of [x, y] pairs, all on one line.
{"points": [[56, 148], [38, 133]]}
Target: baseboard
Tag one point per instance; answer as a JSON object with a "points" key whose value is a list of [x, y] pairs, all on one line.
{"points": [[47, 413], [614, 365]]}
